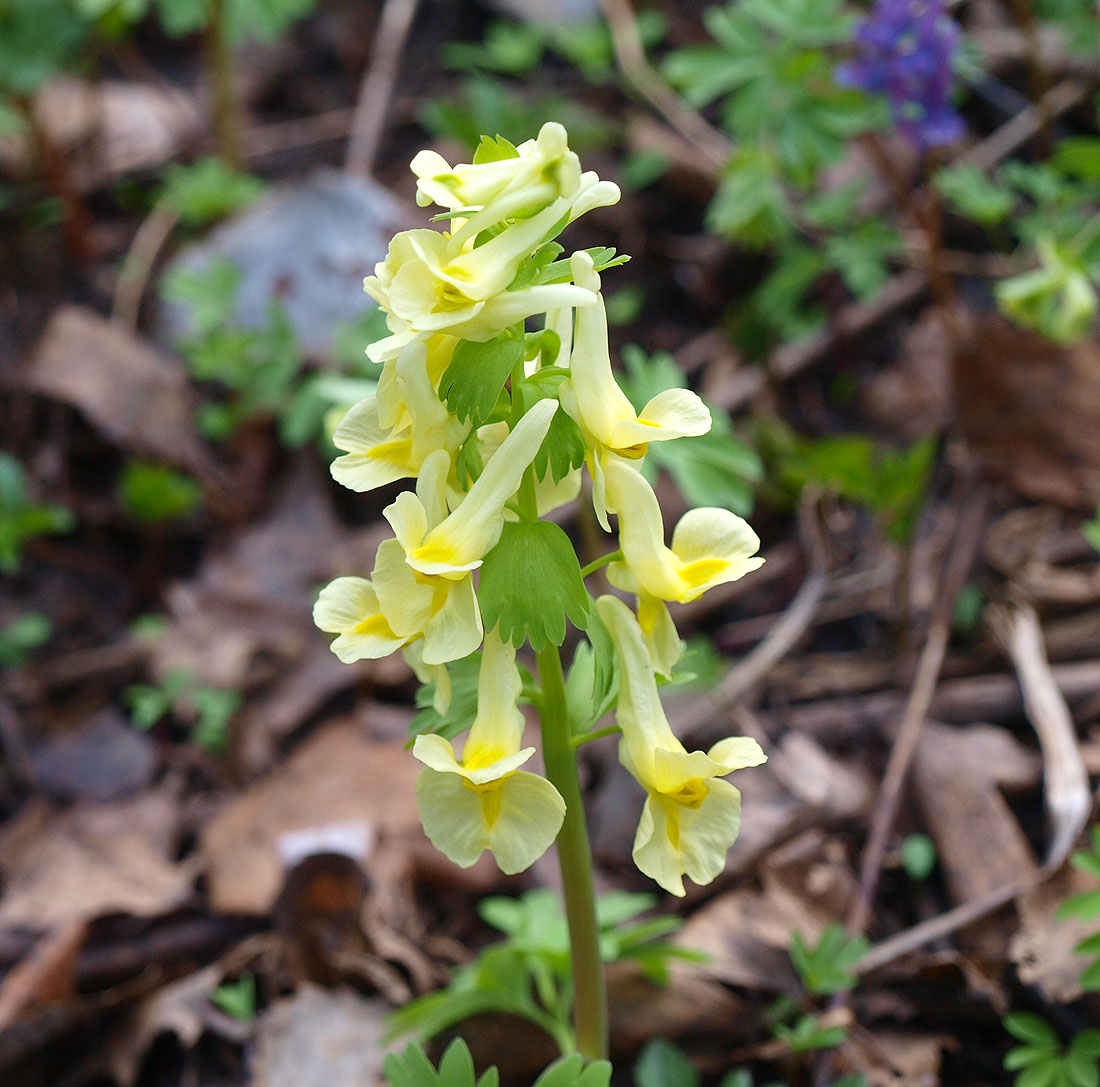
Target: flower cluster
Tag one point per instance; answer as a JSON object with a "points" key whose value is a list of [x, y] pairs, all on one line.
{"points": [[905, 49], [497, 425]]}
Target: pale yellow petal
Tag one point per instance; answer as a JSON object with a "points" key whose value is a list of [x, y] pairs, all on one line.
{"points": [[454, 630], [453, 816], [737, 753], [343, 603], [531, 814], [707, 832], [654, 853], [497, 730], [406, 602], [437, 752]]}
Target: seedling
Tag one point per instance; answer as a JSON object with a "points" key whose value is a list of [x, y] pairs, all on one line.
{"points": [[22, 520]]}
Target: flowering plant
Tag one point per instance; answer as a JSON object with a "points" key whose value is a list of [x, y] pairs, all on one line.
{"points": [[497, 425]]}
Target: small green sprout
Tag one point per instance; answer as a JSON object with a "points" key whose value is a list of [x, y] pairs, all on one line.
{"points": [[528, 973], [1091, 530], [20, 518], [20, 636], [209, 709], [1086, 906], [826, 967], [807, 1034], [663, 1064], [237, 998], [157, 494], [918, 856], [413, 1069], [1042, 1061], [209, 189]]}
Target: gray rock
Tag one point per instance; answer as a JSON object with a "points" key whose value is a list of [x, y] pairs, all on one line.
{"points": [[309, 245], [547, 12]]}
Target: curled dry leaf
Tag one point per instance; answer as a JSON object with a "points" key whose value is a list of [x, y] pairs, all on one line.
{"points": [[90, 860], [337, 779], [1031, 409]]}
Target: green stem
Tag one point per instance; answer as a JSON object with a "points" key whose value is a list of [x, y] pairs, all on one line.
{"points": [[603, 560], [599, 734], [575, 859], [223, 87]]}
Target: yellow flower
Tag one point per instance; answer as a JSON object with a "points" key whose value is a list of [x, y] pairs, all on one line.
{"points": [[375, 454], [605, 414], [349, 607], [691, 816], [709, 546], [429, 283], [544, 170], [485, 801], [422, 577]]}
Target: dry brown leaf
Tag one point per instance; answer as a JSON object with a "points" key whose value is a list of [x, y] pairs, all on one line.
{"points": [[320, 1038], [746, 934], [339, 792], [1043, 948], [181, 1008], [90, 860], [958, 775], [912, 397], [1031, 409], [46, 974], [125, 388]]}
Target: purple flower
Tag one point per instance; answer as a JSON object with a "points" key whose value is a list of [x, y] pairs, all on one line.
{"points": [[904, 50]]}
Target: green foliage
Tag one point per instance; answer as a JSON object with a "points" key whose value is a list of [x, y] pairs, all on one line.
{"points": [[207, 709], [714, 469], [918, 856], [262, 371], [516, 49], [826, 968], [663, 1064], [20, 518], [563, 448], [475, 377], [413, 1069], [889, 482], [1086, 906], [462, 708], [807, 1034], [1041, 1060], [237, 998], [528, 973], [968, 608], [1091, 530], [263, 19], [156, 493], [504, 590], [38, 38], [21, 635], [484, 104], [207, 190], [1049, 212], [592, 683]]}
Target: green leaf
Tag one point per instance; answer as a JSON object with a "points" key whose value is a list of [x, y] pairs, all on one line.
{"points": [[456, 1069], [1032, 1029], [494, 149], [592, 682], [22, 634], [237, 998], [474, 380], [208, 190], [970, 193], [155, 493], [662, 1064], [918, 856], [827, 967], [463, 704], [532, 549]]}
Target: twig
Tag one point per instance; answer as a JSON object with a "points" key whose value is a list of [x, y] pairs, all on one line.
{"points": [[964, 549], [711, 144], [47, 972], [154, 231], [369, 118], [1066, 783]]}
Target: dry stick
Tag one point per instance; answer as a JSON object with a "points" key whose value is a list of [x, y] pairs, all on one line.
{"points": [[1066, 792], [369, 118], [150, 238], [964, 550], [711, 144]]}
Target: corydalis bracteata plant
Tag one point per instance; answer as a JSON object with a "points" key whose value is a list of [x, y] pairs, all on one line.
{"points": [[496, 425]]}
